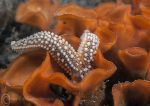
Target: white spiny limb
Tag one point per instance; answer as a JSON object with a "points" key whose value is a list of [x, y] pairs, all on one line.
{"points": [[88, 46], [65, 55]]}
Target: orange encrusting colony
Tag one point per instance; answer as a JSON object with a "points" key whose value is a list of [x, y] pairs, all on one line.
{"points": [[123, 28]]}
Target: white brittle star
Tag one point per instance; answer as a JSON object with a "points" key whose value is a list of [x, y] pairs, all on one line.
{"points": [[64, 54]]}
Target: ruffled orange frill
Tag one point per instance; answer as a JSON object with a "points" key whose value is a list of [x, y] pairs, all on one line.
{"points": [[46, 75], [136, 59], [34, 72], [135, 93], [38, 13]]}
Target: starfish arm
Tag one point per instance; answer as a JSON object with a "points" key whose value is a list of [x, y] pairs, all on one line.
{"points": [[60, 50], [64, 54], [88, 47]]}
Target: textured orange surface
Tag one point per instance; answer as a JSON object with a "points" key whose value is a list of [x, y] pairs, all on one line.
{"points": [[124, 31]]}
